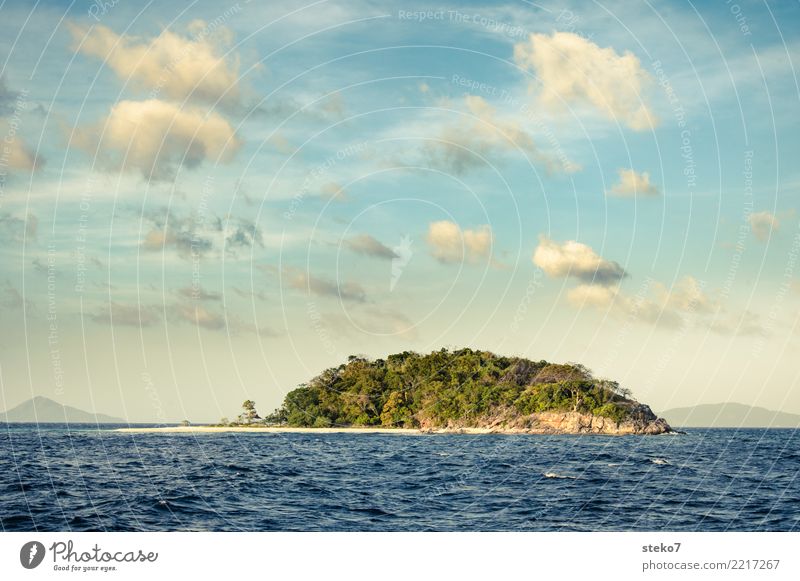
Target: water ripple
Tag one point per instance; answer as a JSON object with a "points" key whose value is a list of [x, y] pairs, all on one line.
{"points": [[714, 480]]}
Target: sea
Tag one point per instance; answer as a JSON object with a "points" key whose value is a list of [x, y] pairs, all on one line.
{"points": [[91, 478]]}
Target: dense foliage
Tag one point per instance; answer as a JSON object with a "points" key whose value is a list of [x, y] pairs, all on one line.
{"points": [[446, 388]]}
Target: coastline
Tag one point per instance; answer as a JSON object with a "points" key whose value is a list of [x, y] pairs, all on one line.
{"points": [[266, 430], [383, 431]]}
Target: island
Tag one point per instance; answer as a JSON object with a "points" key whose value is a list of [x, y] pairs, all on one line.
{"points": [[454, 391]]}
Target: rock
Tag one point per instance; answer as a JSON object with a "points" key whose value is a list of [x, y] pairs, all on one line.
{"points": [[641, 420]]}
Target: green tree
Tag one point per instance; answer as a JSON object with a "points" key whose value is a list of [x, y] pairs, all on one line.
{"points": [[396, 411], [249, 413], [463, 387]]}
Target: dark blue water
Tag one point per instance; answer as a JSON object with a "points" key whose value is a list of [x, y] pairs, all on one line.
{"points": [[89, 480]]}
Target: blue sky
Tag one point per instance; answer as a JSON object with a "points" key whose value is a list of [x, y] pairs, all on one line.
{"points": [[216, 201]]}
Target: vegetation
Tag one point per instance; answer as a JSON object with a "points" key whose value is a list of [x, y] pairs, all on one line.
{"points": [[447, 388], [248, 418], [249, 414]]}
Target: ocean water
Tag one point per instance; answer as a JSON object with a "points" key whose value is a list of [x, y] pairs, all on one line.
{"points": [[60, 479]]}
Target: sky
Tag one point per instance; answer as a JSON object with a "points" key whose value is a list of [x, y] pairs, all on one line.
{"points": [[210, 202]]}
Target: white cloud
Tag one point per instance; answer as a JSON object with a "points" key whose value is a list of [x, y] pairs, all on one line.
{"points": [[592, 294], [156, 138], [639, 308], [179, 67], [449, 243], [194, 235], [459, 147], [685, 304], [15, 153], [577, 260], [763, 224], [687, 295], [370, 246], [305, 281], [633, 184], [572, 69]]}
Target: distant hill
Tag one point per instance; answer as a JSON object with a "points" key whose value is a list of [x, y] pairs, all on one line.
{"points": [[729, 415], [46, 411]]}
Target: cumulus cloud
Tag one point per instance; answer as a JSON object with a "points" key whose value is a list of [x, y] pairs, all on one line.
{"points": [[369, 246], [120, 314], [194, 235], [763, 224], [576, 260], [304, 281], [687, 295], [572, 69], [180, 67], [686, 303], [188, 236], [592, 295], [460, 147], [449, 243], [633, 184], [242, 233], [156, 138], [639, 308], [14, 152]]}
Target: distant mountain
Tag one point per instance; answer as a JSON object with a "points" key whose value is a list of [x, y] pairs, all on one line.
{"points": [[46, 411], [729, 415]]}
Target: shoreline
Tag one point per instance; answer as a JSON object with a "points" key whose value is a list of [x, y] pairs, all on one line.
{"points": [[266, 430], [289, 430], [348, 430]]}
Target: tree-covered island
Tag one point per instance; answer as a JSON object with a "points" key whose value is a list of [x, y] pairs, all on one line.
{"points": [[463, 389]]}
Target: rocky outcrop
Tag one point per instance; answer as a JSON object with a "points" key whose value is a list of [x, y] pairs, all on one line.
{"points": [[640, 420]]}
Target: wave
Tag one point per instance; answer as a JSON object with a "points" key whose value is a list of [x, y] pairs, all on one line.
{"points": [[562, 476]]}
